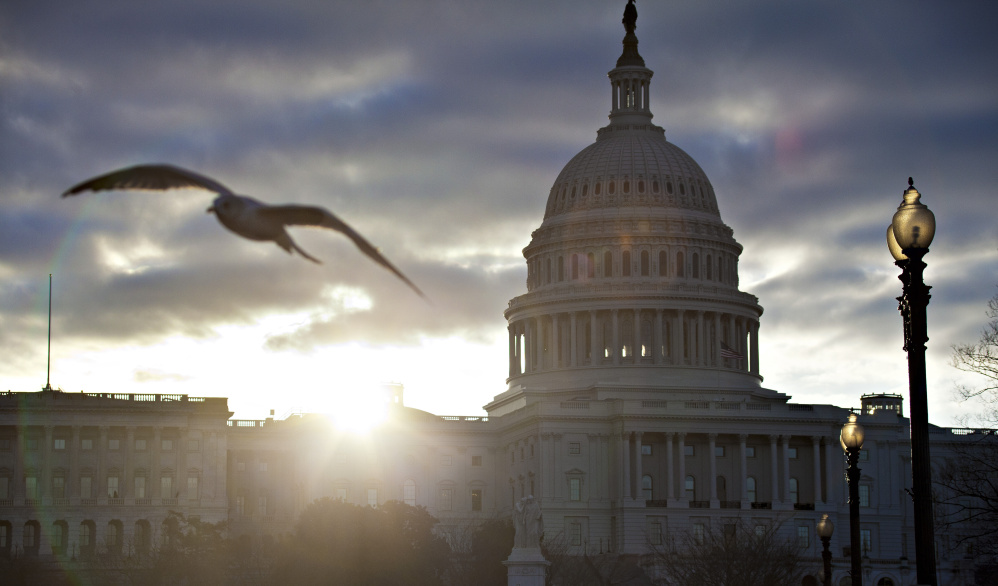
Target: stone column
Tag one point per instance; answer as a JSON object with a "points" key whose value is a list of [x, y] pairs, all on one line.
{"points": [[670, 479], [682, 468], [733, 339], [573, 359], [127, 486], [786, 468], [625, 452], [775, 470], [831, 446], [816, 445], [615, 353], [539, 341], [712, 441], [555, 342], [754, 339], [659, 340], [743, 471], [700, 340], [638, 468], [716, 352], [595, 355], [512, 348]]}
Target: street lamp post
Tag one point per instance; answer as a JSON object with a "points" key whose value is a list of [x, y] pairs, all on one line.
{"points": [[851, 438], [908, 239], [825, 529]]}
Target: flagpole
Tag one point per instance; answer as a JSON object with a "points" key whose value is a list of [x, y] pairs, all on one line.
{"points": [[48, 364]]}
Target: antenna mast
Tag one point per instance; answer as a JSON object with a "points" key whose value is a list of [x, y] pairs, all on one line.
{"points": [[48, 364]]}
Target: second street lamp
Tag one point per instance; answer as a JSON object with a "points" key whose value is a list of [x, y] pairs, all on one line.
{"points": [[908, 239], [851, 438], [825, 529]]}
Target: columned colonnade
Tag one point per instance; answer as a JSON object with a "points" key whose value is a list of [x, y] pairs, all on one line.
{"points": [[613, 337]]}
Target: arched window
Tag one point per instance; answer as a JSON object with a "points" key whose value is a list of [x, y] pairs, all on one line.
{"points": [[710, 268], [654, 187], [625, 263], [596, 188], [114, 536], [611, 188], [663, 263], [575, 267], [720, 268], [547, 277], [88, 537], [885, 582], [680, 264], [31, 538], [696, 265], [794, 495], [6, 535], [721, 488], [561, 269], [627, 186], [645, 263], [143, 536], [590, 265], [607, 264], [60, 537], [682, 189], [646, 487], [641, 186], [668, 187], [409, 492], [691, 488], [750, 489]]}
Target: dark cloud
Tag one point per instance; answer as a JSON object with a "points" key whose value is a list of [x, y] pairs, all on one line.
{"points": [[436, 129]]}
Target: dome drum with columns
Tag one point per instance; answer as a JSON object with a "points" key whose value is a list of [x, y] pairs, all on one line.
{"points": [[632, 278]]}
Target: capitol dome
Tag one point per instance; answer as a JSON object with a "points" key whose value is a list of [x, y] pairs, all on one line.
{"points": [[632, 276]]}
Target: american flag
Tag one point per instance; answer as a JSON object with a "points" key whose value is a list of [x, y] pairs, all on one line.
{"points": [[727, 352]]}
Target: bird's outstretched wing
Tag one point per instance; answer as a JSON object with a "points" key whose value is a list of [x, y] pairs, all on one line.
{"points": [[148, 178], [297, 215]]}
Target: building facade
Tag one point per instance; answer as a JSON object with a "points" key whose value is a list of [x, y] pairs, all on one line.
{"points": [[634, 409]]}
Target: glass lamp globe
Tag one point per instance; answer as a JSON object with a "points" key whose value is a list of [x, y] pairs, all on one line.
{"points": [[852, 434], [825, 526], [914, 224]]}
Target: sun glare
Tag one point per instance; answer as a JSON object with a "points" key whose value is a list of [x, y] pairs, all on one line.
{"points": [[358, 409]]}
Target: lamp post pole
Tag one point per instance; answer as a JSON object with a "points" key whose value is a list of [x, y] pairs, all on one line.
{"points": [[825, 529], [908, 239], [852, 442]]}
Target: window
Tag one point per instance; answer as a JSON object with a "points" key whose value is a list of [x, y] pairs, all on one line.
{"points": [[87, 443], [140, 487], [750, 489], [5, 536], [4, 487], [575, 489], [885, 582], [30, 542], [446, 499], [143, 535], [59, 487], [645, 449], [719, 451], [340, 493], [60, 537], [561, 268], [866, 541], [574, 448], [30, 487], [114, 537], [803, 536], [607, 264], [655, 532], [87, 537], [409, 492], [864, 455], [645, 263], [372, 497], [476, 460], [166, 445], [792, 453], [864, 495], [793, 490], [476, 499], [112, 487], [760, 530], [680, 265], [696, 264], [166, 487], [750, 451], [646, 487], [192, 488], [663, 263], [140, 445], [59, 444], [699, 531], [112, 444], [625, 263], [575, 533], [721, 487], [688, 450], [691, 488]]}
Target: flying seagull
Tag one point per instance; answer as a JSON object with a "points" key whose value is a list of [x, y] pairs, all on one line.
{"points": [[243, 215]]}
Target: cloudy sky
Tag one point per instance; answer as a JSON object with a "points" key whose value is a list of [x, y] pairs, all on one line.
{"points": [[436, 129]]}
